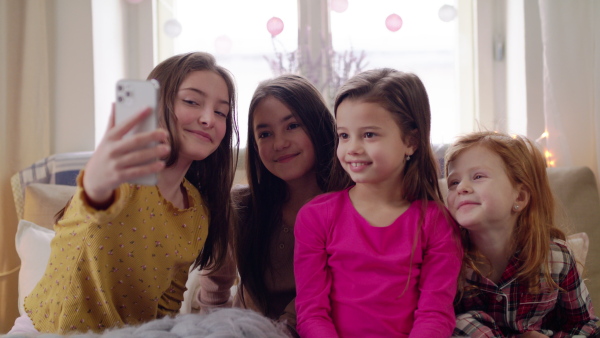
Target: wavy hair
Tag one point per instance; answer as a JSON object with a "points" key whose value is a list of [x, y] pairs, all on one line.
{"points": [[535, 226]]}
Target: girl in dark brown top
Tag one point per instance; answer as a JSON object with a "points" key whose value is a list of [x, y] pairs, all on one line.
{"points": [[290, 151]]}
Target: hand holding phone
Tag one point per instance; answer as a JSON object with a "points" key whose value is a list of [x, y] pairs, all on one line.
{"points": [[132, 146], [133, 96]]}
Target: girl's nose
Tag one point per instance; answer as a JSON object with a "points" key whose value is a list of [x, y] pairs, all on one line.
{"points": [[464, 187], [281, 142], [354, 147], [207, 118]]}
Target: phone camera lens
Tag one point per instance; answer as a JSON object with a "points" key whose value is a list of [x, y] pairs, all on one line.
{"points": [[128, 93], [119, 87], [120, 99]]}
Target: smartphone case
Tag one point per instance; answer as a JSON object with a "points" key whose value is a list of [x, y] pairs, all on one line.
{"points": [[133, 96]]}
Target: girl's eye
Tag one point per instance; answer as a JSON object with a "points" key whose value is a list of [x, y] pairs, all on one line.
{"points": [[369, 134], [343, 136], [293, 126], [190, 102], [478, 176], [264, 134], [220, 114]]}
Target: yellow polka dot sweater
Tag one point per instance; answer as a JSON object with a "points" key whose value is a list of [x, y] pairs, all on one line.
{"points": [[127, 264]]}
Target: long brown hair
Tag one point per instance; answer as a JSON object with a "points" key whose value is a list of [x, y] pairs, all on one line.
{"points": [[405, 97], [267, 192], [213, 176], [524, 165]]}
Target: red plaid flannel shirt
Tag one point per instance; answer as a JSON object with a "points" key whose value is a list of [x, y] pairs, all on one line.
{"points": [[508, 309]]}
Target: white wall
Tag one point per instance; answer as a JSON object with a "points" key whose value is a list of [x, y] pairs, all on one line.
{"points": [[123, 48], [73, 92], [109, 54], [97, 42]]}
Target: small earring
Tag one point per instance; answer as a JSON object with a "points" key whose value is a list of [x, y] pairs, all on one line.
{"points": [[516, 207], [407, 158]]}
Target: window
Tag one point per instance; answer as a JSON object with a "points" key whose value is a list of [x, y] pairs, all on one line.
{"points": [[235, 31], [424, 45]]}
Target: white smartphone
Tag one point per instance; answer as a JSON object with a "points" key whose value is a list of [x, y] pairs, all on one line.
{"points": [[133, 96]]}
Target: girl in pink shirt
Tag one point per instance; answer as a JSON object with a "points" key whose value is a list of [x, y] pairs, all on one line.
{"points": [[381, 258]]}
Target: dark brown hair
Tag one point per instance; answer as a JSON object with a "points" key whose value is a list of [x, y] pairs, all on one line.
{"points": [[268, 192]]}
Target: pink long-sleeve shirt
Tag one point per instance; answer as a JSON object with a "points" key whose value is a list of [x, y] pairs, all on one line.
{"points": [[356, 280]]}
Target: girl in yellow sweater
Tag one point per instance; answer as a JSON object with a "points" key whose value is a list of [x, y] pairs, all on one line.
{"points": [[122, 251]]}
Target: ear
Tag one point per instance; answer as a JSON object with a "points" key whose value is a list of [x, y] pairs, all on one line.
{"points": [[411, 142], [523, 196]]}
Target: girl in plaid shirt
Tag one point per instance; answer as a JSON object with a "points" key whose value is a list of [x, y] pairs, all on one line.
{"points": [[518, 278]]}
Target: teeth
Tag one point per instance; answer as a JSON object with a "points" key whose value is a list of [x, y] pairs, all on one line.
{"points": [[355, 164]]}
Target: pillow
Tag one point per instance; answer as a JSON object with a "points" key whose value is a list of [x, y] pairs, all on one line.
{"points": [[579, 244], [43, 201], [33, 246]]}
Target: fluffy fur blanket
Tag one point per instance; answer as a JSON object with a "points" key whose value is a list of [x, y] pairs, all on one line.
{"points": [[220, 323]]}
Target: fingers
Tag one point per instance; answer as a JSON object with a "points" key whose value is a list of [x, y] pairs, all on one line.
{"points": [[111, 119], [139, 141], [134, 172], [119, 159], [123, 128], [105, 171], [142, 157]]}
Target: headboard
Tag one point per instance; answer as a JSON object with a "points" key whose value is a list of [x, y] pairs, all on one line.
{"points": [[61, 169]]}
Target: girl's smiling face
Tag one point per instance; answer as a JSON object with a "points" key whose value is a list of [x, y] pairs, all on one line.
{"points": [[480, 194], [371, 148], [283, 146], [201, 107]]}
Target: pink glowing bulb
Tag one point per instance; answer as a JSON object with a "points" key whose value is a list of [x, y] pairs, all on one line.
{"points": [[275, 26], [339, 5], [223, 44], [393, 22]]}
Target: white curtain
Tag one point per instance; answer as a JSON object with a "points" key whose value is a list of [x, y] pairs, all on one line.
{"points": [[25, 124], [571, 61]]}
